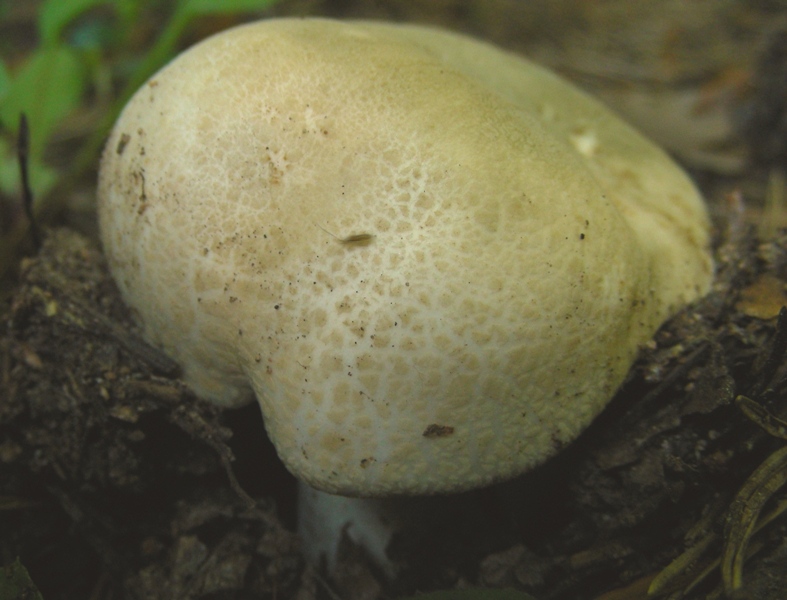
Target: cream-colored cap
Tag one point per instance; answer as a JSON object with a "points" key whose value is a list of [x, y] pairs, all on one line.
{"points": [[432, 261]]}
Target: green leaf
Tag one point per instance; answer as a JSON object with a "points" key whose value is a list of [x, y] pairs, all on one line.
{"points": [[47, 88], [55, 15], [15, 583], [128, 10], [5, 80], [473, 594], [208, 7]]}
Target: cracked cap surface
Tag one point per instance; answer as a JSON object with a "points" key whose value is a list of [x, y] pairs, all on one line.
{"points": [[432, 261]]}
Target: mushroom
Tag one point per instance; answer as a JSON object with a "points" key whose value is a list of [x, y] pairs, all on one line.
{"points": [[430, 261]]}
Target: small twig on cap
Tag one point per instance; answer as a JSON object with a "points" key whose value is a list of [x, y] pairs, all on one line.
{"points": [[356, 239]]}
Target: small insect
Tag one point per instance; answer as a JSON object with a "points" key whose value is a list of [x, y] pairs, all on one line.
{"points": [[356, 239]]}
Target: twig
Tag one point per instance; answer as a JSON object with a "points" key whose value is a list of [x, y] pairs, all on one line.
{"points": [[23, 153]]}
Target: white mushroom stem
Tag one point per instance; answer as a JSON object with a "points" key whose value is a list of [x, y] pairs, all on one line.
{"points": [[387, 529], [323, 519]]}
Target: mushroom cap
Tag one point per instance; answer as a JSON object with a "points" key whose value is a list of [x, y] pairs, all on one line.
{"points": [[431, 261]]}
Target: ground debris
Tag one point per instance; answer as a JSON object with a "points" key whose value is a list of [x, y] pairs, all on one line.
{"points": [[112, 471], [78, 379], [219, 547]]}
